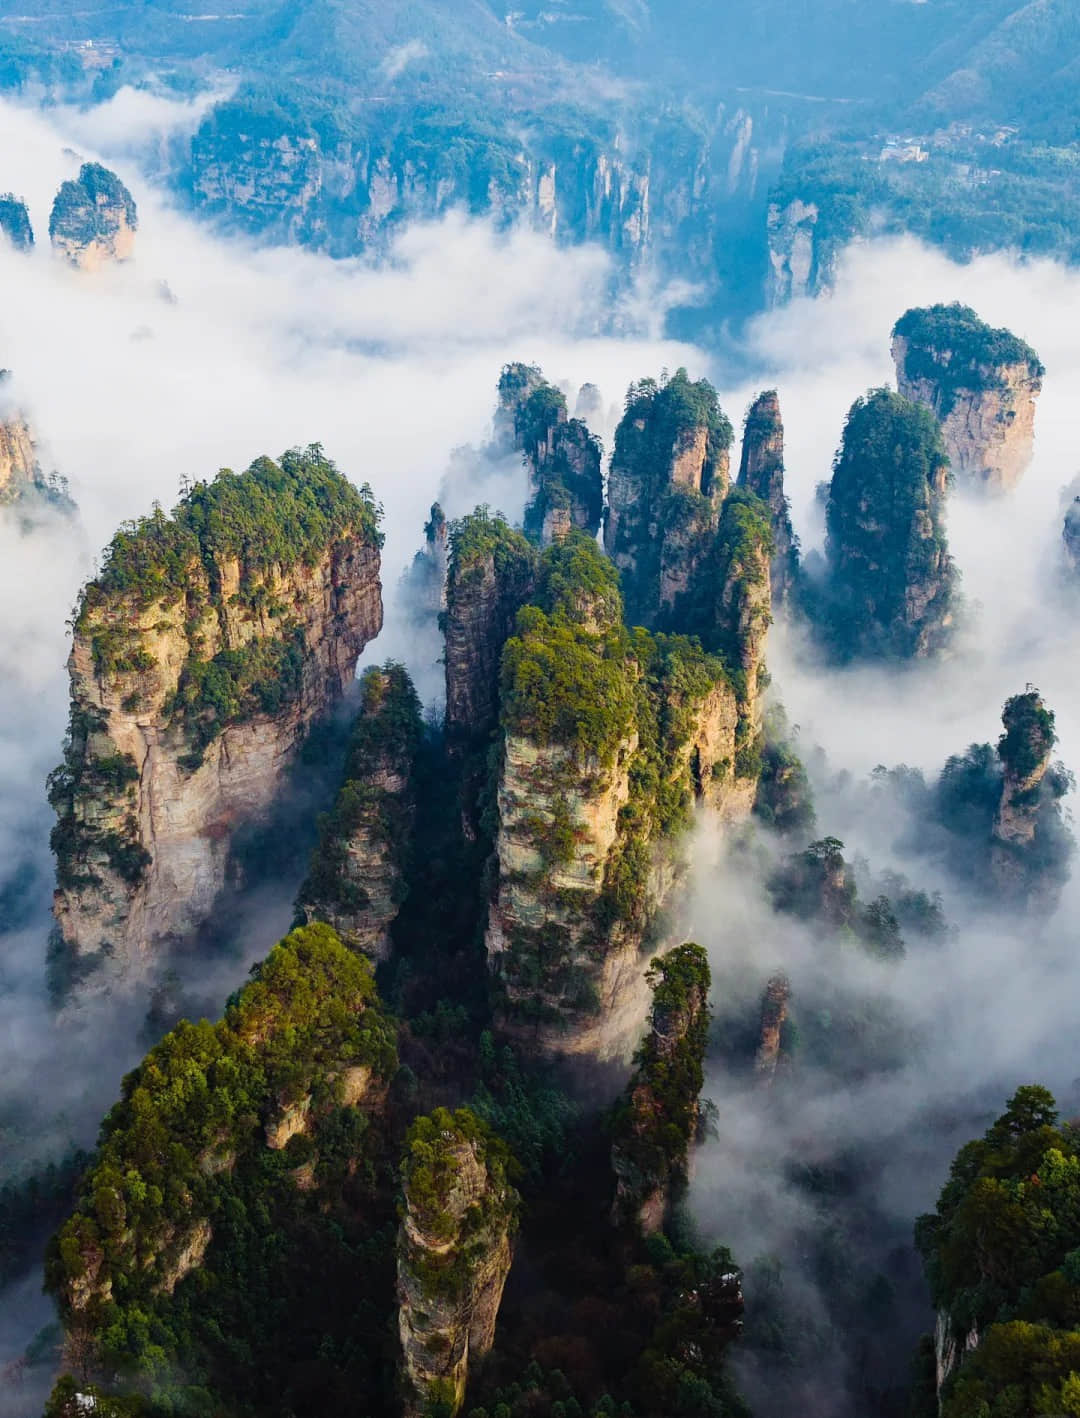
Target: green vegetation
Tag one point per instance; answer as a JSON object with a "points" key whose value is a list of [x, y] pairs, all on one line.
{"points": [[1002, 1255], [274, 515], [657, 1120], [954, 350], [385, 739], [818, 885], [891, 579], [15, 222], [1029, 735], [83, 210], [183, 1166], [480, 540]]}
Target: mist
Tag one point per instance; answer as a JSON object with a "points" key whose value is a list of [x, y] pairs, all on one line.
{"points": [[815, 1181], [206, 352]]}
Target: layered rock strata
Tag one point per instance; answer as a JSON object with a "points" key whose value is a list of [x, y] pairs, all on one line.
{"points": [[202, 653], [490, 576], [609, 738], [453, 1256], [358, 871], [657, 1123], [981, 384], [93, 219], [761, 471], [890, 576], [669, 475]]}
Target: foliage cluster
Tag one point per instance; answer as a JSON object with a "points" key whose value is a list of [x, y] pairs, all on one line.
{"points": [[954, 350], [385, 738], [184, 1147], [79, 210], [1029, 735], [482, 539], [890, 574], [15, 221], [817, 884], [1002, 1255]]}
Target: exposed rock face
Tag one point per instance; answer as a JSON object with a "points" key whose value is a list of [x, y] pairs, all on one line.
{"points": [[774, 1012], [1070, 535], [585, 854], [981, 384], [761, 470], [1026, 796], [358, 869], [800, 263], [490, 577], [201, 656], [951, 1349], [669, 474], [15, 222], [93, 219], [18, 462], [891, 577], [658, 1120], [517, 382], [453, 1255]]}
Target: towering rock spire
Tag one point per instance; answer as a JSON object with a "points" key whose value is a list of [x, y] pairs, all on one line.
{"points": [[761, 470], [93, 219], [890, 576], [981, 384]]}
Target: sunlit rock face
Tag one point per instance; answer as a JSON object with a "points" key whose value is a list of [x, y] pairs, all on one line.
{"points": [[453, 1257], [196, 672], [93, 219], [982, 385]]}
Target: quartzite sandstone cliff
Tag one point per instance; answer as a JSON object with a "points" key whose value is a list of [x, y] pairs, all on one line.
{"points": [[982, 385], [202, 654], [93, 219]]}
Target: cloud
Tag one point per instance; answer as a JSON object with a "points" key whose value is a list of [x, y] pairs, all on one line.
{"points": [[401, 56]]}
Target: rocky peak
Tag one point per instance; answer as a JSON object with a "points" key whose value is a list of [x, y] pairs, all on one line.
{"points": [[1029, 791], [453, 1255], [15, 222], [669, 474], [358, 870], [981, 384], [18, 458], [890, 575], [657, 1122], [208, 645], [587, 841], [761, 471], [490, 576], [93, 219], [517, 382], [774, 1013]]}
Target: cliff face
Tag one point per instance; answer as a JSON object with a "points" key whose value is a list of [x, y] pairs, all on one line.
{"points": [[453, 1256], [801, 262], [761, 471], [669, 474], [93, 219], [18, 463], [657, 1123], [609, 738], [981, 384], [490, 576], [891, 577], [298, 1067], [1027, 812], [774, 1012], [202, 654], [15, 222], [357, 876]]}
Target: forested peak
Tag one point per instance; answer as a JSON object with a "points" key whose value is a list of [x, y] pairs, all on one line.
{"points": [[1029, 734], [481, 538], [673, 406], [577, 582], [963, 347], [273, 514], [96, 188]]}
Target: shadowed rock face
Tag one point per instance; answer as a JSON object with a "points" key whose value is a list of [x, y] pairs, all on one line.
{"points": [[891, 578], [981, 384], [774, 1012], [93, 219], [159, 771], [453, 1256], [357, 875], [15, 222], [658, 1120], [761, 470]]}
